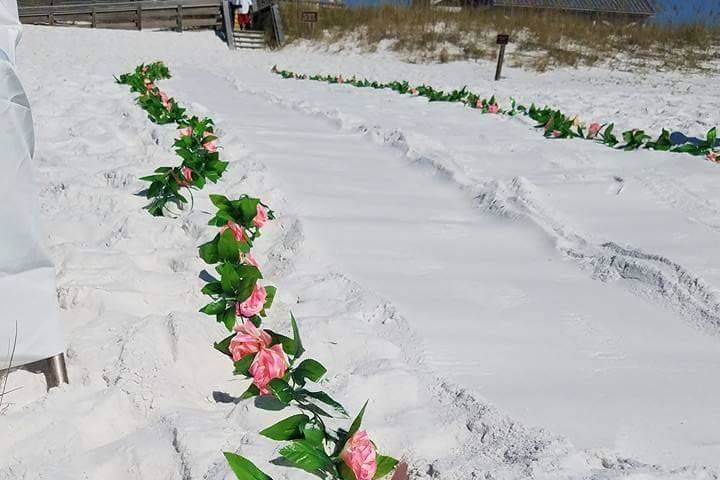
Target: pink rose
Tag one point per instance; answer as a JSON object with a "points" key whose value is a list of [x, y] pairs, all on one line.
{"points": [[340, 79], [593, 130], [187, 176], [253, 304], [494, 108], [269, 363], [211, 145], [148, 84], [359, 454], [185, 132], [480, 103], [248, 339], [712, 156], [261, 217], [248, 259], [413, 91], [165, 101], [237, 230], [556, 133]]}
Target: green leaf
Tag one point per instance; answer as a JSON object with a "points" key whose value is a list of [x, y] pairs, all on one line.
{"points": [[152, 178], [309, 369], [243, 468], [307, 456], [314, 433], [385, 465], [248, 271], [209, 251], [227, 318], [686, 148], [281, 390], [712, 136], [242, 366], [290, 428], [326, 399], [288, 344], [212, 288], [357, 422], [296, 337], [245, 288], [270, 290], [220, 201], [346, 472], [229, 279], [251, 392], [214, 308], [223, 346], [256, 320], [311, 407], [248, 207], [228, 248]]}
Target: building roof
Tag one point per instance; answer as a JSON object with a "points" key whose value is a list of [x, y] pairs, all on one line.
{"points": [[630, 7]]}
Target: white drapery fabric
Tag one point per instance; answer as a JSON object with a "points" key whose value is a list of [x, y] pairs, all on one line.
{"points": [[28, 301]]}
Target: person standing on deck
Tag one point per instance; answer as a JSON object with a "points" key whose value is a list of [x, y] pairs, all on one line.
{"points": [[244, 13], [234, 6]]}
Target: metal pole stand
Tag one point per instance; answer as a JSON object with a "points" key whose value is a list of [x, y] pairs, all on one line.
{"points": [[55, 371]]}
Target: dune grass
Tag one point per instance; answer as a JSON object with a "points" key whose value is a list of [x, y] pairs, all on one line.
{"points": [[540, 39]]}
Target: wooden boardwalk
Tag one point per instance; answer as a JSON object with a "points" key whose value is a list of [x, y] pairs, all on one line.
{"points": [[164, 14]]}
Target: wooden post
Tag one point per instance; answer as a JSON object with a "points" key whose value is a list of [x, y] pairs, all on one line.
{"points": [[138, 22], [94, 18], [179, 18], [502, 40], [228, 25], [51, 17]]}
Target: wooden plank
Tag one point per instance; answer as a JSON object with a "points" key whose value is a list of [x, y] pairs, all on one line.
{"points": [[119, 26], [200, 22], [94, 18], [277, 25], [139, 17]]}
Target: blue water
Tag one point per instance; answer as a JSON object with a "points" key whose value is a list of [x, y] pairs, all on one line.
{"points": [[683, 11], [675, 11]]}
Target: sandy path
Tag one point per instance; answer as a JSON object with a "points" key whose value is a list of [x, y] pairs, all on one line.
{"points": [[497, 306]]}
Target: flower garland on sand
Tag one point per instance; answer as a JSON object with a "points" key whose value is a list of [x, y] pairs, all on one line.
{"points": [[196, 145], [272, 361], [554, 123], [240, 301]]}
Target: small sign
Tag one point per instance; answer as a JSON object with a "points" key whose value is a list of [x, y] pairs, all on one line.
{"points": [[503, 39], [309, 17]]}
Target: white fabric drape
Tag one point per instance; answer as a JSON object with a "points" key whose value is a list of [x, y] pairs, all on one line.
{"points": [[28, 302]]}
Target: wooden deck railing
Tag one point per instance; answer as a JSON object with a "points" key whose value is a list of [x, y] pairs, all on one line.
{"points": [[174, 14]]}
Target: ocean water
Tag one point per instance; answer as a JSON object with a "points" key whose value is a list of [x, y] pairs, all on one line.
{"points": [[674, 11]]}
